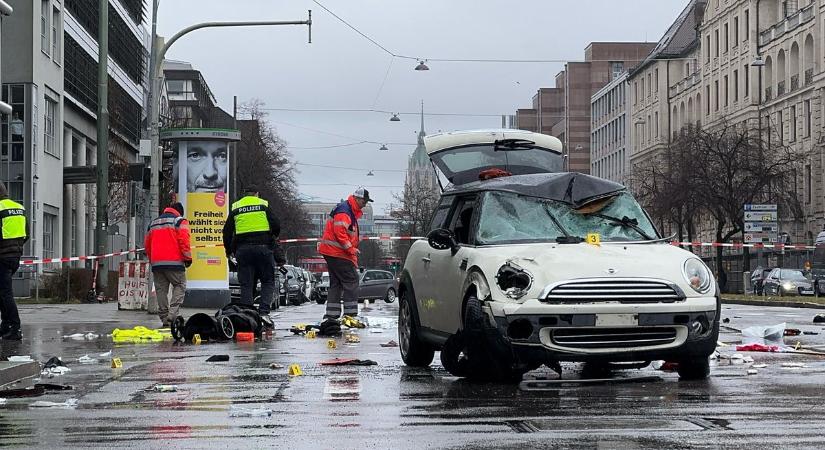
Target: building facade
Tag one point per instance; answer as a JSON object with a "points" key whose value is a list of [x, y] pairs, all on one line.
{"points": [[610, 131], [50, 138]]}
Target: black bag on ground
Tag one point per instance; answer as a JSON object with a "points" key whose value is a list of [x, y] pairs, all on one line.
{"points": [[230, 319]]}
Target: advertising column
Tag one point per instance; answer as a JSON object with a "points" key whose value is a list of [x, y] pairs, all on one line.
{"points": [[201, 172]]}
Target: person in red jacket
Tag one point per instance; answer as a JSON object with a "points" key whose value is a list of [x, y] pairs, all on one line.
{"points": [[339, 247], [169, 252]]}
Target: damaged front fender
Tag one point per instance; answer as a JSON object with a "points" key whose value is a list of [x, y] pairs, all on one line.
{"points": [[476, 280]]}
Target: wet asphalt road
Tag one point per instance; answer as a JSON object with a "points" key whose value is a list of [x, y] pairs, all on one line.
{"points": [[391, 406]]}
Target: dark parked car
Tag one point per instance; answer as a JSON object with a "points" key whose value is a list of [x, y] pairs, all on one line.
{"points": [[377, 284], [758, 279], [295, 283], [784, 282], [235, 289]]}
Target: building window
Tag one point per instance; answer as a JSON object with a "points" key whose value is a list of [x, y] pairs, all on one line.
{"points": [[735, 86], [707, 46], [726, 91], [780, 125], [727, 38], [793, 124], [809, 186], [716, 43], [807, 113], [635, 92], [735, 31], [716, 102], [747, 32], [49, 233], [656, 124], [616, 69], [707, 95], [657, 80], [45, 10], [649, 85], [74, 231], [746, 71], [49, 144], [56, 35]]}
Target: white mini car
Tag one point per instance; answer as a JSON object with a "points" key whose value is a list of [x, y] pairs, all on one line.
{"points": [[526, 265]]}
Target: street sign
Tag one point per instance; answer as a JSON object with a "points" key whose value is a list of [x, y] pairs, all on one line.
{"points": [[760, 226], [761, 238], [760, 216], [761, 208]]}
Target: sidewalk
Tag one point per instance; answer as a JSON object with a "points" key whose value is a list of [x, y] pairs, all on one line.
{"points": [[783, 303]]}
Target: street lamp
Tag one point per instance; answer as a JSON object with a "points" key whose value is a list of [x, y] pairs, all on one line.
{"points": [[395, 118], [156, 63], [383, 147], [421, 66], [370, 174]]}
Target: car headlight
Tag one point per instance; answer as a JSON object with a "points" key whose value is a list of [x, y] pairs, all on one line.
{"points": [[788, 286], [697, 275]]}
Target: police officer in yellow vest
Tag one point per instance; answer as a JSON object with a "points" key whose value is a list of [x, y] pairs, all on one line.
{"points": [[251, 236], [15, 234]]}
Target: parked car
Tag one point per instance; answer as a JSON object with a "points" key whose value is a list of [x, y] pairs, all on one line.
{"points": [[235, 289], [322, 289], [784, 282], [526, 265], [294, 285], [377, 284], [309, 284], [758, 279]]}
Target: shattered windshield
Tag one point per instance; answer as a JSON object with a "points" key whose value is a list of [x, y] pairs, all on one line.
{"points": [[512, 218]]}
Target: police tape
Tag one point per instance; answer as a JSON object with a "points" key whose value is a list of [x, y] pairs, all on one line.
{"points": [[32, 262]]}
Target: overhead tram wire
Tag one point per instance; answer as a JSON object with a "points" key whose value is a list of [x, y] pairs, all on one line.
{"points": [[360, 141], [360, 169], [406, 113], [475, 60]]}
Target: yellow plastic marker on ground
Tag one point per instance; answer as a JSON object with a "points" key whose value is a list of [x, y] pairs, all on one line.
{"points": [[352, 339], [295, 370], [311, 334], [117, 363], [331, 344], [594, 239], [196, 339]]}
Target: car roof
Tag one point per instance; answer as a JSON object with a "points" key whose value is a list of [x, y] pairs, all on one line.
{"points": [[437, 142], [569, 187]]}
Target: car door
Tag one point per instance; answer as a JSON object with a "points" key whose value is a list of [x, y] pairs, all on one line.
{"points": [[368, 286], [448, 270], [419, 264], [772, 282]]}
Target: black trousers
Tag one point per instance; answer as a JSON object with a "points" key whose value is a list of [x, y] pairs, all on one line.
{"points": [[8, 308], [343, 288], [256, 262]]}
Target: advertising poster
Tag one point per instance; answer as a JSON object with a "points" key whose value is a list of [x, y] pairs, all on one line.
{"points": [[202, 169]]}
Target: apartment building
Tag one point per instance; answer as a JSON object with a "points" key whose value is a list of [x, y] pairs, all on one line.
{"points": [[610, 131]]}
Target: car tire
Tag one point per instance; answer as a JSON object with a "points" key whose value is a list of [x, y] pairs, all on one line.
{"points": [[693, 369], [414, 352], [390, 296], [490, 358], [320, 300]]}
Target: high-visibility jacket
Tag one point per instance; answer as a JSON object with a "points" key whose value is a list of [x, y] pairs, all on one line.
{"points": [[252, 222], [340, 239], [167, 242], [14, 228]]}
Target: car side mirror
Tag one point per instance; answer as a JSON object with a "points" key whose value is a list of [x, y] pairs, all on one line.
{"points": [[443, 239]]}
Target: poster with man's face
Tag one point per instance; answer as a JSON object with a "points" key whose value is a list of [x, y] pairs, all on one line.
{"points": [[201, 175], [206, 165]]}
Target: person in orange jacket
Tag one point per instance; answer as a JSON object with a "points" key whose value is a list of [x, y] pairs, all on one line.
{"points": [[339, 247], [169, 251]]}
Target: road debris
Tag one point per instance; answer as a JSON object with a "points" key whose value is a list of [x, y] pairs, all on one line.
{"points": [[819, 318], [792, 332], [54, 387], [85, 359], [139, 335], [34, 391], [348, 362], [330, 328], [53, 367], [390, 344], [386, 323], [352, 322], [752, 371], [794, 365], [106, 355], [18, 358], [239, 411], [276, 366], [758, 348], [765, 335], [163, 388], [68, 404], [759, 366], [82, 336], [218, 358]]}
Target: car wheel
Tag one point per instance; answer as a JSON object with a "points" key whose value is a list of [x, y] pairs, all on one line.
{"points": [[693, 369], [414, 353], [489, 356], [320, 300], [390, 297]]}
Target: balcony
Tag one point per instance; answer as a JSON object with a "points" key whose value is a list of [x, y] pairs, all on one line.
{"points": [[794, 82], [685, 84], [780, 89], [790, 23], [809, 76]]}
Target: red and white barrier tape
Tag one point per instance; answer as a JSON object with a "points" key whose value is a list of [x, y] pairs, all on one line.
{"points": [[31, 262]]}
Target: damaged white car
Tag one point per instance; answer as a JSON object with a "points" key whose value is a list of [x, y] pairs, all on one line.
{"points": [[526, 265]]}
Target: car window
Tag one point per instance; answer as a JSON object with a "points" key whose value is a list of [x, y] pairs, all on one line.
{"points": [[508, 217], [385, 275], [440, 215], [369, 276], [461, 222], [793, 275]]}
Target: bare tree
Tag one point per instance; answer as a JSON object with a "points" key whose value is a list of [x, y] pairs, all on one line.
{"points": [[414, 210], [371, 254]]}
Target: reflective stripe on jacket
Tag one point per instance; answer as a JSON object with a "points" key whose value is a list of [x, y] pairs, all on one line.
{"points": [[13, 217], [250, 215], [340, 239], [167, 242]]}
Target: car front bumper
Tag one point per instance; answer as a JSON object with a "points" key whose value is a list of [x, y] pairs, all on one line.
{"points": [[609, 331]]}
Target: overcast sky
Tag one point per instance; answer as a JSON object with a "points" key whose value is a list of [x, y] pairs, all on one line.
{"points": [[342, 70]]}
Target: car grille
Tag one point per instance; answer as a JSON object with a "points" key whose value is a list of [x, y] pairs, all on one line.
{"points": [[596, 338], [621, 291]]}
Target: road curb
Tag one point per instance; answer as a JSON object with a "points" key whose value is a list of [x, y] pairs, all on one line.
{"points": [[11, 372], [773, 303]]}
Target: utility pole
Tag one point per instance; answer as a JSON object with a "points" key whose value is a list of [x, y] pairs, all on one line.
{"points": [[157, 77], [102, 207], [154, 117], [234, 195]]}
